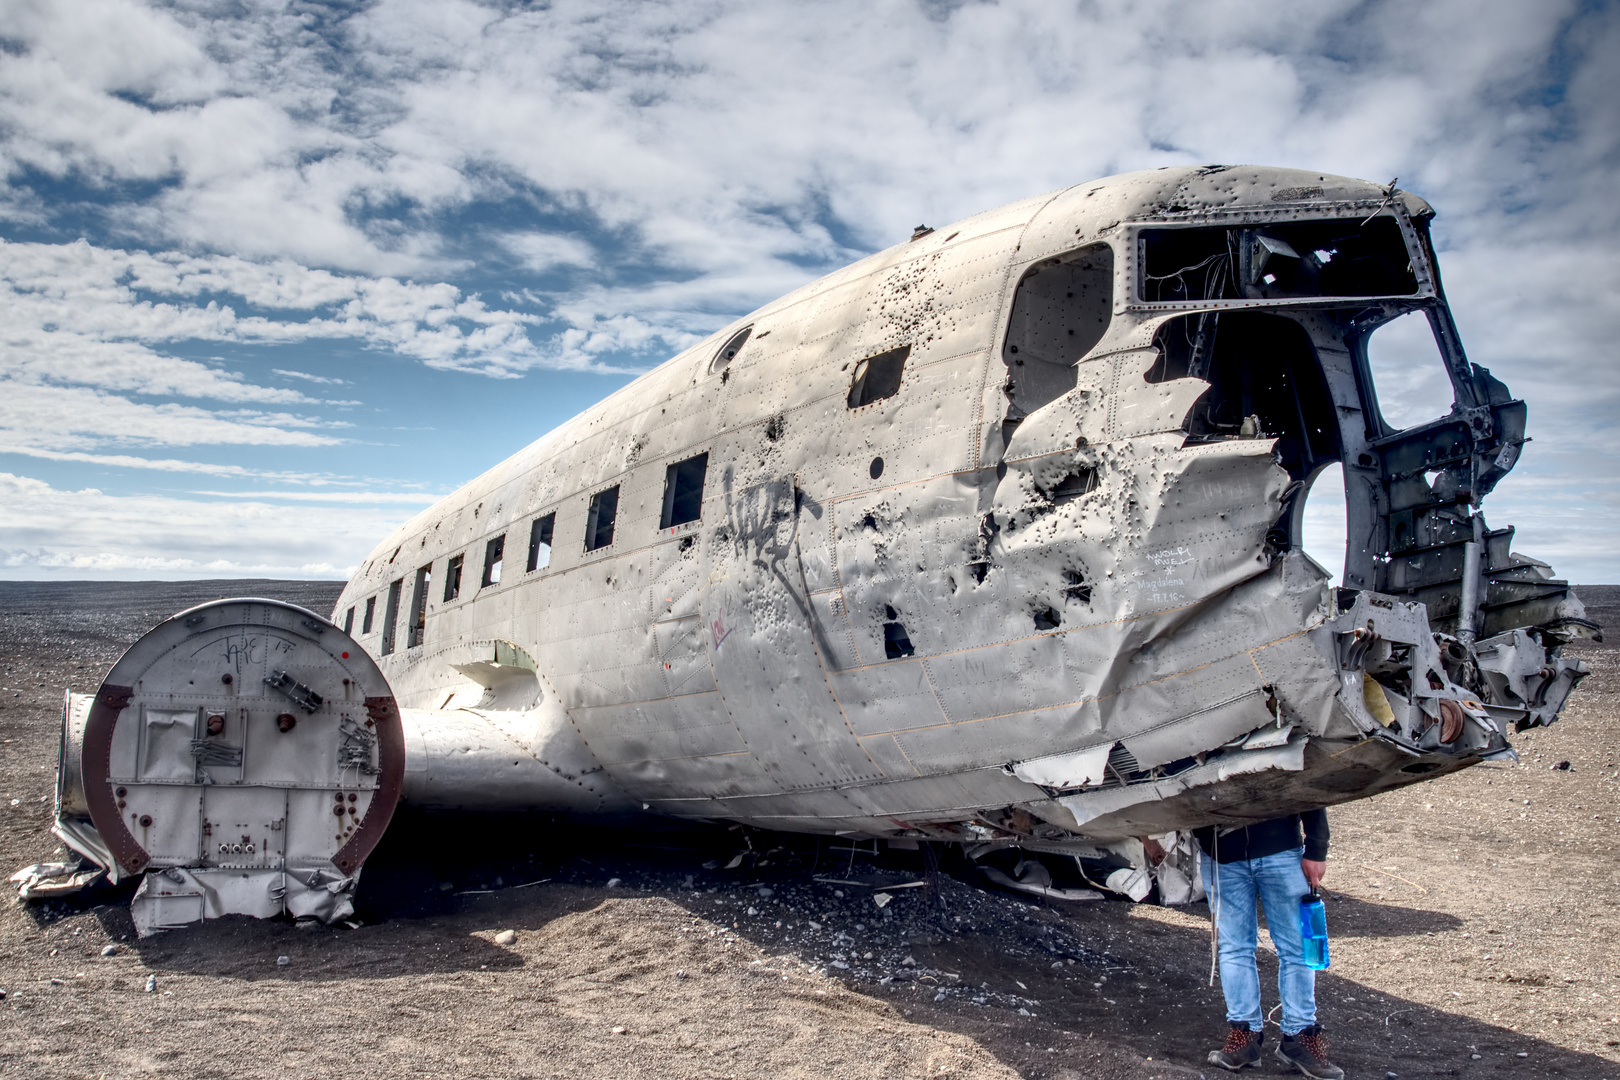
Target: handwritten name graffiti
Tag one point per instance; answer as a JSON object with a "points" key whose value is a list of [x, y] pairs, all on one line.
{"points": [[251, 650], [1168, 558]]}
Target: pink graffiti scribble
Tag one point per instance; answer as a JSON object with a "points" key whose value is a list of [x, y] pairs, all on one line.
{"points": [[719, 630]]}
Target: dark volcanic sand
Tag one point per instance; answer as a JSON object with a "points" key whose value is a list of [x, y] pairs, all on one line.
{"points": [[1472, 915]]}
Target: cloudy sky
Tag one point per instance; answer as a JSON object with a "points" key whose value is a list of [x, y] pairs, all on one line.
{"points": [[276, 275]]}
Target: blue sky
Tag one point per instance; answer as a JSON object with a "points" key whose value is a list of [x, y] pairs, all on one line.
{"points": [[275, 276]]}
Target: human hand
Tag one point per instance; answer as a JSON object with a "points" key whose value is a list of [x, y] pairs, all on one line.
{"points": [[1313, 869]]}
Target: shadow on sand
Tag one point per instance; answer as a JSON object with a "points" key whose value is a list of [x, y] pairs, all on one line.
{"points": [[1096, 969]]}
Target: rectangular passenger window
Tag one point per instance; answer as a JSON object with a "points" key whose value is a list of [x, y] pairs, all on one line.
{"points": [[599, 521], [540, 542], [371, 611], [452, 577], [391, 617], [492, 560], [683, 491], [878, 377], [348, 621], [419, 597]]}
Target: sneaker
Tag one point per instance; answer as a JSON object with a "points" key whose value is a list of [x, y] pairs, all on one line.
{"points": [[1307, 1052], [1242, 1049]]}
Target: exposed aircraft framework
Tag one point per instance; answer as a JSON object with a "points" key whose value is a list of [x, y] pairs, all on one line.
{"points": [[994, 537]]}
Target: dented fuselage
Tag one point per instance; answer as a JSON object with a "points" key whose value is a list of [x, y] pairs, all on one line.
{"points": [[996, 534], [994, 537]]}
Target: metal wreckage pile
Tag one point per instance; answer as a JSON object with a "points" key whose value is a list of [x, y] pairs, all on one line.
{"points": [[994, 538]]}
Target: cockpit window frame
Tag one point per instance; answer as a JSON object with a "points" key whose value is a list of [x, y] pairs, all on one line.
{"points": [[1132, 266]]}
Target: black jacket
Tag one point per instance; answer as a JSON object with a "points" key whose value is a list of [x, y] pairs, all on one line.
{"points": [[1268, 838]]}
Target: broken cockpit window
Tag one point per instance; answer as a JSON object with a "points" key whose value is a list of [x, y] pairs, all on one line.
{"points": [[348, 621], [1265, 382], [1349, 257], [1408, 373], [1062, 309], [494, 552], [878, 377], [540, 542], [683, 491], [599, 520], [371, 611]]}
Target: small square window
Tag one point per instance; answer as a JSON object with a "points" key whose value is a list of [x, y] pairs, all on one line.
{"points": [[683, 491], [540, 542], [493, 552], [371, 611], [452, 577], [348, 621], [878, 377], [599, 521]]}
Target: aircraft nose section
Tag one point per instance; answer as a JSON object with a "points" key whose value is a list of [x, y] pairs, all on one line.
{"points": [[247, 755]]}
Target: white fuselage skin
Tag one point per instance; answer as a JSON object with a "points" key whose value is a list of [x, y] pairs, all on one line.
{"points": [[883, 607]]}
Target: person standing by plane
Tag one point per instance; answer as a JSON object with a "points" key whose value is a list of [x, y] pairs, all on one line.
{"points": [[1275, 862]]}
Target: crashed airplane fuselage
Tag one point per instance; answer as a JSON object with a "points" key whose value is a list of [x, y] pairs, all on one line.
{"points": [[992, 537]]}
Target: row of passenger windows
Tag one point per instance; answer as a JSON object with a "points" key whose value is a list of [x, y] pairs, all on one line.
{"points": [[683, 502], [874, 379]]}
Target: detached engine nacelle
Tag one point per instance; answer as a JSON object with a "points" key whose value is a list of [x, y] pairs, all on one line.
{"points": [[247, 756]]}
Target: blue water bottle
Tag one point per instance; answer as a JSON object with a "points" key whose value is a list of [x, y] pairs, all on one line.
{"points": [[1313, 928]]}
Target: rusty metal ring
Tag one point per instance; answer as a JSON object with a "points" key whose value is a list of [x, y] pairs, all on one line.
{"points": [[1452, 718]]}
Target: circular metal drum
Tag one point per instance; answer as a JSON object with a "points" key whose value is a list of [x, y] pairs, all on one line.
{"points": [[252, 743]]}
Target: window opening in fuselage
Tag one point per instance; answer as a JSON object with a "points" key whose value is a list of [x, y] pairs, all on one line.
{"points": [[1265, 382], [1345, 257], [493, 553], [728, 352], [683, 491], [452, 577], [1060, 312], [599, 519], [419, 600], [896, 642], [540, 542], [348, 621], [878, 377], [1409, 375], [1325, 528], [371, 611], [391, 617]]}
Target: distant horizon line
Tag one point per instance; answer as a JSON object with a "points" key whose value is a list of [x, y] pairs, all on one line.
{"points": [[293, 580]]}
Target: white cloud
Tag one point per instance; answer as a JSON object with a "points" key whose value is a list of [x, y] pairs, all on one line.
{"points": [[668, 166], [49, 532], [78, 311], [545, 251], [307, 377], [73, 418], [131, 461], [413, 499]]}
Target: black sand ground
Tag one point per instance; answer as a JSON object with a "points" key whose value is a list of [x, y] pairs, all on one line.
{"points": [[1475, 933]]}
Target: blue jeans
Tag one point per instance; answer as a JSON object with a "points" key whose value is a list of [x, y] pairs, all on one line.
{"points": [[1279, 882]]}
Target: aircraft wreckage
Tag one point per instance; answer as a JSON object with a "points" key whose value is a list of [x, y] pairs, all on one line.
{"points": [[994, 537]]}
